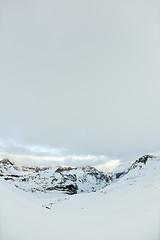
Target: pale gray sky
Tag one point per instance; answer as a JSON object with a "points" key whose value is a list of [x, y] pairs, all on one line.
{"points": [[80, 75]]}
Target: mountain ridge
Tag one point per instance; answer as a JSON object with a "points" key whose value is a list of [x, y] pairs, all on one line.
{"points": [[69, 180]]}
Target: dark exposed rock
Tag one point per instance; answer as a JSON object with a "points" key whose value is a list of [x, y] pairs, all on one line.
{"points": [[118, 175], [140, 162], [144, 159], [50, 188], [92, 171], [69, 189], [54, 180], [34, 169], [62, 169], [6, 161], [8, 178], [23, 179], [71, 177], [13, 175]]}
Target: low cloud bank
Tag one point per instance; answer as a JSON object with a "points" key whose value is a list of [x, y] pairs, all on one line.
{"points": [[46, 156]]}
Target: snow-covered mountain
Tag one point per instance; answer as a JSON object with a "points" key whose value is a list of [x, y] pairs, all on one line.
{"points": [[66, 179], [124, 204]]}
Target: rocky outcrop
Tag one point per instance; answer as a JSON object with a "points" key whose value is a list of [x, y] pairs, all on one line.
{"points": [[65, 179], [140, 162], [69, 189]]}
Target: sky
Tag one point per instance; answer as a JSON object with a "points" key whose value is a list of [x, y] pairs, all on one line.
{"points": [[80, 79]]}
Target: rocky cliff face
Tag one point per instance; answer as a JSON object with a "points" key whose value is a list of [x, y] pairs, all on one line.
{"points": [[140, 163], [66, 179]]}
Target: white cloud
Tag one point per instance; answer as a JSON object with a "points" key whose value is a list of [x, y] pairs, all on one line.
{"points": [[109, 166], [31, 155]]}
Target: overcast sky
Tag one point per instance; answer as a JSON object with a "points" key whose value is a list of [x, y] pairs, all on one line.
{"points": [[80, 77]]}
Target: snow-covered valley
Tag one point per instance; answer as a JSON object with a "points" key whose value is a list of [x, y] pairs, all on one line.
{"points": [[124, 204]]}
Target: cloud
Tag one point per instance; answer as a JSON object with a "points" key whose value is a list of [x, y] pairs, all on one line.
{"points": [[36, 155], [109, 166]]}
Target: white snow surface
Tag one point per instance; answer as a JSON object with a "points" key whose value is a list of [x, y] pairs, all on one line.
{"points": [[127, 209]]}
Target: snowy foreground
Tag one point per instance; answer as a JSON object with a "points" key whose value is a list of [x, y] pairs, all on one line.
{"points": [[128, 208]]}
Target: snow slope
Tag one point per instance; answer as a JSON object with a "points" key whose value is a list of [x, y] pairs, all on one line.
{"points": [[128, 209]]}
